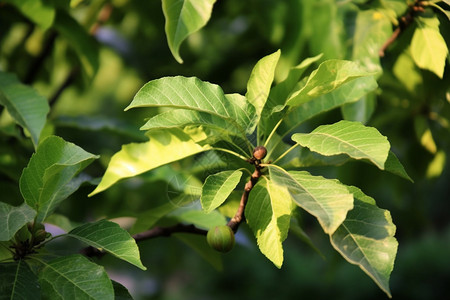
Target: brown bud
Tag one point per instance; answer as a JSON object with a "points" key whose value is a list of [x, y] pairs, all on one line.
{"points": [[259, 152]]}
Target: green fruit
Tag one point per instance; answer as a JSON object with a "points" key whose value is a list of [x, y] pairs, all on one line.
{"points": [[22, 235], [40, 236], [221, 238]]}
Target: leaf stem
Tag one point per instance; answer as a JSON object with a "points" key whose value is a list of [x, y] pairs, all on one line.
{"points": [[285, 153], [273, 132], [230, 152]]}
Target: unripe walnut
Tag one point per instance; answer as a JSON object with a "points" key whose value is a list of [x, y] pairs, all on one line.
{"points": [[259, 152], [221, 238]]}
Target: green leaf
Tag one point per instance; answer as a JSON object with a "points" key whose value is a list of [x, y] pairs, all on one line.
{"points": [[428, 47], [326, 199], [200, 218], [182, 117], [84, 44], [347, 93], [330, 75], [217, 188], [74, 277], [110, 237], [12, 218], [261, 78], [268, 213], [184, 17], [351, 138], [24, 104], [17, 281], [361, 110], [394, 166], [40, 12], [366, 238], [133, 159], [120, 292], [194, 94], [49, 177]]}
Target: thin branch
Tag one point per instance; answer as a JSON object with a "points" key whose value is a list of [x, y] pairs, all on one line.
{"points": [[37, 63], [239, 217], [68, 82], [149, 234], [404, 22]]}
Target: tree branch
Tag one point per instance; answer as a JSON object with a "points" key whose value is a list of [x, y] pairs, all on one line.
{"points": [[403, 23], [149, 234]]}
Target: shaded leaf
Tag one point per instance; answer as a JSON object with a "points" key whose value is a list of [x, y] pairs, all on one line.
{"points": [[268, 213], [217, 188], [24, 104], [184, 17], [49, 177], [133, 159], [38, 11], [326, 199], [12, 218], [366, 238], [261, 78], [74, 277], [351, 138], [110, 237], [17, 281], [330, 75], [194, 94], [120, 292], [84, 44], [428, 47], [394, 166]]}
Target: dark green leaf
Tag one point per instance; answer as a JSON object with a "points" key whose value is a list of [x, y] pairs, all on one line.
{"points": [[110, 237], [12, 218], [24, 104], [18, 282], [74, 277], [49, 177], [84, 44], [120, 292]]}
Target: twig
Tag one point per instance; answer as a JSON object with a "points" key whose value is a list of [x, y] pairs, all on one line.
{"points": [[149, 234], [37, 64], [69, 80], [404, 22]]}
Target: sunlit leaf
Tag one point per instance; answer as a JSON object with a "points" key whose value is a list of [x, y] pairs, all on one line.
{"points": [[261, 78], [200, 218], [326, 199], [184, 17], [24, 104], [17, 281], [347, 93], [110, 237], [351, 138], [133, 159], [366, 238], [49, 177], [194, 94], [268, 213], [74, 277], [330, 75], [428, 47], [12, 218], [217, 188]]}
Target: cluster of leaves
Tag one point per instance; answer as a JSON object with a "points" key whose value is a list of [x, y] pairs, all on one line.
{"points": [[196, 118]]}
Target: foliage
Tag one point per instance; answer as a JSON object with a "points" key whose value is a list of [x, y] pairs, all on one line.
{"points": [[368, 70]]}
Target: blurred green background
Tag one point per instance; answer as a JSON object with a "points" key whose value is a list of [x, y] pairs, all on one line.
{"points": [[411, 107]]}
